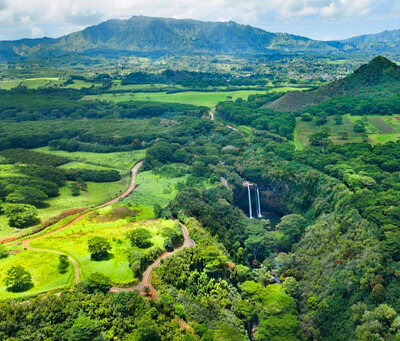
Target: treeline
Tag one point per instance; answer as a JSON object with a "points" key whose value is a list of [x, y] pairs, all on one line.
{"points": [[105, 135], [53, 104], [92, 175], [192, 79], [32, 157], [376, 105], [253, 113]]}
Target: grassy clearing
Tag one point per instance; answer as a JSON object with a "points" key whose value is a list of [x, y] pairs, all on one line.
{"points": [[208, 99], [117, 160], [73, 241], [96, 194], [8, 85], [152, 189], [31, 83], [43, 268], [9, 171], [83, 165]]}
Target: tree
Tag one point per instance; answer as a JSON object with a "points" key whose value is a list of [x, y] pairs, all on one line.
{"points": [[320, 119], [344, 135], [292, 226], [359, 126], [75, 189], [84, 329], [18, 279], [98, 248], [21, 216], [98, 282], [291, 287], [306, 117], [378, 293], [27, 195], [63, 264], [258, 242], [147, 330], [140, 237], [3, 251], [319, 139], [338, 119]]}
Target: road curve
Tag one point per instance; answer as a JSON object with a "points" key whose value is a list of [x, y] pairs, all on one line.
{"points": [[146, 278], [25, 243], [73, 261]]}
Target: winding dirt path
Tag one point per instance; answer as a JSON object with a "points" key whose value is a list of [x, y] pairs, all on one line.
{"points": [[25, 243], [212, 118], [146, 278]]}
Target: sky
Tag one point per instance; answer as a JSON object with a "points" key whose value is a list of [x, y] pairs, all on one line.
{"points": [[318, 19]]}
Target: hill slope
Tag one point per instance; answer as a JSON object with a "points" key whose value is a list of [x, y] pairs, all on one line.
{"points": [[146, 34], [372, 79]]}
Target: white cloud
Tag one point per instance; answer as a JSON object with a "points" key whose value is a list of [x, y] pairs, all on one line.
{"points": [[36, 32]]}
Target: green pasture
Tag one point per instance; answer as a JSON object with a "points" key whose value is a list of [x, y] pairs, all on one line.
{"points": [[31, 83], [74, 240], [117, 160], [43, 268], [208, 99], [152, 189], [84, 165], [97, 193]]}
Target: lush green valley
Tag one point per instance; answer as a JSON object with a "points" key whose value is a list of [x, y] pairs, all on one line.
{"points": [[250, 195]]}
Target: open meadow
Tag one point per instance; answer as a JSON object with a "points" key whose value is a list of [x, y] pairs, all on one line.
{"points": [[208, 99]]}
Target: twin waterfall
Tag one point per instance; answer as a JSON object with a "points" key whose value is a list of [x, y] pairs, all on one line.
{"points": [[258, 203]]}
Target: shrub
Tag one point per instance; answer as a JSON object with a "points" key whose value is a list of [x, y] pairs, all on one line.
{"points": [[98, 248], [18, 279]]}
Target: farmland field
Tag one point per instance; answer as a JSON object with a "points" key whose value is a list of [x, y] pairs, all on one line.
{"points": [[208, 99], [379, 129], [31, 83]]}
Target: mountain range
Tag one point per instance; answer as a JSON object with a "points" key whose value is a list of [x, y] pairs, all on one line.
{"points": [[375, 79], [149, 35]]}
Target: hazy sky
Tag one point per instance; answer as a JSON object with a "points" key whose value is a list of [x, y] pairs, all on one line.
{"points": [[319, 19]]}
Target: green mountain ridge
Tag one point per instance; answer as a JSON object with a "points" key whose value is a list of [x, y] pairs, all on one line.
{"points": [[387, 41], [150, 35], [380, 76]]}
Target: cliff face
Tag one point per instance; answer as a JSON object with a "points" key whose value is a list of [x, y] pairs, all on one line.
{"points": [[271, 199]]}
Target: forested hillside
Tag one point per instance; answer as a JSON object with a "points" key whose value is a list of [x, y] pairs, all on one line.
{"points": [[378, 80]]}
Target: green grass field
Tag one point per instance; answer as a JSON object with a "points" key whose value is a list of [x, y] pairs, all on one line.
{"points": [[117, 160], [208, 99], [380, 129], [152, 189], [96, 194], [43, 269], [31, 83], [84, 165], [74, 240]]}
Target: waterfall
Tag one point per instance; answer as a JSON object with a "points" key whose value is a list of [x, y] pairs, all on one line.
{"points": [[259, 215], [250, 209]]}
